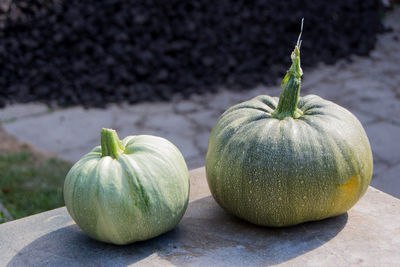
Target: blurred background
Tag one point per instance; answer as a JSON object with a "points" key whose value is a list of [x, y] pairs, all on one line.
{"points": [[69, 68]]}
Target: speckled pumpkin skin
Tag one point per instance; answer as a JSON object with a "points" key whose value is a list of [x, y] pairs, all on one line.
{"points": [[140, 194], [275, 172]]}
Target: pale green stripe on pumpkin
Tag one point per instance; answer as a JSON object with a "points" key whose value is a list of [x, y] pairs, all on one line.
{"points": [[127, 198], [84, 194], [107, 207]]}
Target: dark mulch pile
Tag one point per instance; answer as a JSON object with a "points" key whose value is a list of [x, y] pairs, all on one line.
{"points": [[94, 52]]}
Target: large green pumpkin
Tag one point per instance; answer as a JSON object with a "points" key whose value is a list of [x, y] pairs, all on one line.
{"points": [[281, 162], [129, 190]]}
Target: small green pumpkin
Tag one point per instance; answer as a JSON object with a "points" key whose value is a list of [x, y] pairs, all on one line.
{"points": [[129, 190], [280, 162]]}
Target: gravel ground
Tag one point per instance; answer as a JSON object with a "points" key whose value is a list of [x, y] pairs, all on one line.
{"points": [[96, 52]]}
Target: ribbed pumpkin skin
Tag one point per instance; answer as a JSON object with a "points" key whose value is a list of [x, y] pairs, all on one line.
{"points": [[275, 172], [140, 194]]}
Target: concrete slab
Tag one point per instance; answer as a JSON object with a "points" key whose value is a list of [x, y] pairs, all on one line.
{"points": [[17, 111], [62, 130], [383, 136], [383, 109], [368, 235], [205, 118], [389, 182], [71, 133]]}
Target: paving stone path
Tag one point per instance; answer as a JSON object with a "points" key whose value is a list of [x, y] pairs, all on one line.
{"points": [[367, 86]]}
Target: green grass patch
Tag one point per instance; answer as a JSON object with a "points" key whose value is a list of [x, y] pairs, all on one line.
{"points": [[29, 185]]}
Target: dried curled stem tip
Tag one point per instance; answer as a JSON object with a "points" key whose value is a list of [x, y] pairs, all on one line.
{"points": [[301, 31]]}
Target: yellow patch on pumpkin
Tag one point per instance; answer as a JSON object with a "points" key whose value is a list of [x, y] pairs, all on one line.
{"points": [[351, 186], [346, 195]]}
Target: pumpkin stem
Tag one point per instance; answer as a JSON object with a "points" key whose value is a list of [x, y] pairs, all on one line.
{"points": [[287, 105], [110, 143]]}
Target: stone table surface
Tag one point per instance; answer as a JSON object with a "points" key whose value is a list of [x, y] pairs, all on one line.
{"points": [[368, 235]]}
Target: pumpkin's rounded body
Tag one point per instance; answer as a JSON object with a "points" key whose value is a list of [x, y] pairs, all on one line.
{"points": [[140, 194], [281, 172]]}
